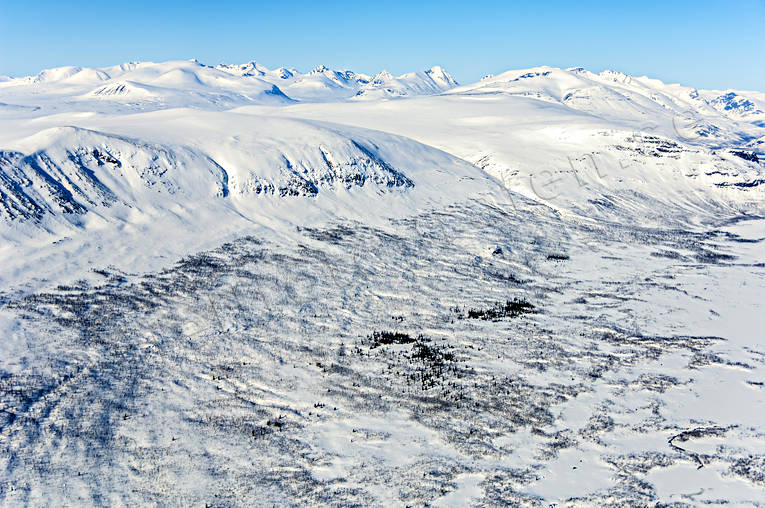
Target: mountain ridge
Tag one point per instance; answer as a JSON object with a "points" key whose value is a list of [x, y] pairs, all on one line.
{"points": [[320, 83], [181, 83]]}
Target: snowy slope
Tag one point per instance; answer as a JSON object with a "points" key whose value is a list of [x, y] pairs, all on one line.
{"points": [[320, 84], [68, 170], [745, 106], [183, 168], [385, 85], [616, 96], [239, 286], [606, 145], [137, 86]]}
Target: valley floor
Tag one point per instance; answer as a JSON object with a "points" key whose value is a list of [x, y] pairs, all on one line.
{"points": [[483, 354]]}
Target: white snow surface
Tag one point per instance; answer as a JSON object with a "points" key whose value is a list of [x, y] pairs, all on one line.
{"points": [[234, 286], [148, 85]]}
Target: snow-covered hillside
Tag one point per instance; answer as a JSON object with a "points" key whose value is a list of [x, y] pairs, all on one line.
{"points": [[235, 286], [617, 96], [137, 86], [71, 171], [182, 168], [601, 146]]}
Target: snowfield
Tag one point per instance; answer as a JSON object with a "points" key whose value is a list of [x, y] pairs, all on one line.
{"points": [[235, 286]]}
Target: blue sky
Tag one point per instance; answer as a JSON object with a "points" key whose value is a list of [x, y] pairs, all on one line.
{"points": [[703, 44]]}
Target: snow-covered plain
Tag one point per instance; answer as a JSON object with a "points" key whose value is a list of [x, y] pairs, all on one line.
{"points": [[234, 286]]}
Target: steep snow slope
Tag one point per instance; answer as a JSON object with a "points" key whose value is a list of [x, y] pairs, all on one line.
{"points": [[69, 170], [745, 106], [385, 85], [185, 169], [320, 84]]}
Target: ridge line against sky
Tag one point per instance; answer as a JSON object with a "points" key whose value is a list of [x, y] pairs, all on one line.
{"points": [[712, 45]]}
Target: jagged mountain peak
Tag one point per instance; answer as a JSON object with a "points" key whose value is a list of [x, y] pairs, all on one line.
{"points": [[150, 85], [382, 77], [319, 69], [323, 83], [439, 74]]}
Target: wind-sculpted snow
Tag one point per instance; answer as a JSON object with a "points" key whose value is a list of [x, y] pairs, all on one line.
{"points": [[370, 365]]}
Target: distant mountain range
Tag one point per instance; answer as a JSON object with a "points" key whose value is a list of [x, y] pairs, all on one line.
{"points": [[581, 89], [323, 83], [142, 86], [80, 140], [175, 83]]}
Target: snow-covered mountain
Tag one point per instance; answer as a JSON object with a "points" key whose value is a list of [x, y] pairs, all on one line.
{"points": [[605, 146], [148, 166], [147, 85], [325, 84], [109, 145], [139, 85], [239, 286], [599, 145], [617, 96]]}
